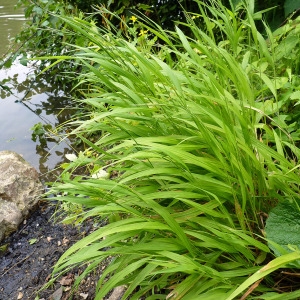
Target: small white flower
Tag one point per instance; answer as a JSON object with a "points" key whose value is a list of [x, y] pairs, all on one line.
{"points": [[101, 174], [71, 157]]}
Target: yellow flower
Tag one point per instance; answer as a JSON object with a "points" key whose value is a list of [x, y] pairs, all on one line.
{"points": [[143, 32], [133, 19]]}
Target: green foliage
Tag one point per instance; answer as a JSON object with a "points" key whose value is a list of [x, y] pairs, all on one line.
{"points": [[39, 131], [190, 132], [43, 33], [42, 25], [5, 87], [290, 6], [163, 12], [277, 11], [47, 33], [282, 228], [166, 12]]}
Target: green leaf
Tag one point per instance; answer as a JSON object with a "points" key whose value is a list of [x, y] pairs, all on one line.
{"points": [[283, 228], [295, 95], [23, 60], [38, 10], [272, 266], [285, 48], [269, 83], [290, 6], [5, 87], [3, 248], [32, 241]]}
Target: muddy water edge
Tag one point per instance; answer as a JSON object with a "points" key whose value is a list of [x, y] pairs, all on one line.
{"points": [[31, 104], [31, 101]]}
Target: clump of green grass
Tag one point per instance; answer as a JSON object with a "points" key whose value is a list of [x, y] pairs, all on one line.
{"points": [[182, 128]]}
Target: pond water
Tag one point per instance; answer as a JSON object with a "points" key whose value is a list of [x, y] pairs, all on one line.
{"points": [[11, 21], [31, 100]]}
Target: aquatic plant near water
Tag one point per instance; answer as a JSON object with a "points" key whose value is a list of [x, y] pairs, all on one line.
{"points": [[197, 154]]}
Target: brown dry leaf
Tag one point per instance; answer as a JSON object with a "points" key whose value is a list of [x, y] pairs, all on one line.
{"points": [[48, 278], [20, 296], [67, 280]]}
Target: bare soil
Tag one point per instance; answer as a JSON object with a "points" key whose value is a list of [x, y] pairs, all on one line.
{"points": [[30, 253]]}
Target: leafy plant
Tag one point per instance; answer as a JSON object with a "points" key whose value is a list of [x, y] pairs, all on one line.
{"points": [[39, 131], [44, 32], [282, 228], [193, 152]]}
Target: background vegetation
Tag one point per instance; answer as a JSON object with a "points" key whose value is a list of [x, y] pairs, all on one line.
{"points": [[47, 32]]}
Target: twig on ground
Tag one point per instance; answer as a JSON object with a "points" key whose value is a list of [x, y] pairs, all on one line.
{"points": [[17, 263]]}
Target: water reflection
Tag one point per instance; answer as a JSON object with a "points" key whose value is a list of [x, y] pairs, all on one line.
{"points": [[11, 22], [29, 100]]}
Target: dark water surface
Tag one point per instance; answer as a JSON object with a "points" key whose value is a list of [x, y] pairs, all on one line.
{"points": [[32, 100]]}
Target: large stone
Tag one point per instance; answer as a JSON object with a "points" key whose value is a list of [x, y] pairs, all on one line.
{"points": [[20, 191]]}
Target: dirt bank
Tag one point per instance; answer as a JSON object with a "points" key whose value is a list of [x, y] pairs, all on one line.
{"points": [[30, 253]]}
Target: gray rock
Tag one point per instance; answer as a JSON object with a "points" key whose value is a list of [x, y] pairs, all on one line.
{"points": [[117, 293], [20, 191]]}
